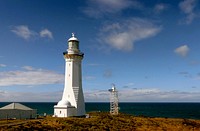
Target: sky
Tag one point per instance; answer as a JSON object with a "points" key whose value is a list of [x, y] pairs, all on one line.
{"points": [[148, 49]]}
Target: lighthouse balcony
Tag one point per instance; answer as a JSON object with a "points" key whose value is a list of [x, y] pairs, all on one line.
{"points": [[73, 53]]}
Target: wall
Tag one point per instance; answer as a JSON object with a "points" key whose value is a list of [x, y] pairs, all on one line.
{"points": [[18, 114]]}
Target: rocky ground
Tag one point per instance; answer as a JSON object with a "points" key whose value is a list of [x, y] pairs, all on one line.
{"points": [[103, 121]]}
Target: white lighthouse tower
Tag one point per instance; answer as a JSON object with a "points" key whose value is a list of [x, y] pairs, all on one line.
{"points": [[72, 102]]}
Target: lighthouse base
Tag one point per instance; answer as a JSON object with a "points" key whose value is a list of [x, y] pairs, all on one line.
{"points": [[61, 111]]}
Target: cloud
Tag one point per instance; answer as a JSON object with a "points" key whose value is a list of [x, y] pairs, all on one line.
{"points": [[30, 76], [46, 33], [182, 50], [89, 77], [107, 73], [2, 65], [96, 95], [2, 92], [187, 7], [197, 77], [156, 95], [122, 35], [190, 75], [125, 95], [160, 8], [129, 85], [194, 62], [94, 64], [185, 74], [30, 96], [143, 95], [23, 31], [100, 8], [29, 68]]}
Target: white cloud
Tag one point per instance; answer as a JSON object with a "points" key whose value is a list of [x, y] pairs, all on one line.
{"points": [[2, 65], [129, 85], [99, 8], [194, 62], [143, 95], [182, 50], [23, 31], [125, 95], [187, 7], [30, 96], [46, 33], [97, 95], [89, 77], [107, 73], [30, 76], [94, 64], [30, 68], [124, 34], [185, 74], [160, 7], [156, 95]]}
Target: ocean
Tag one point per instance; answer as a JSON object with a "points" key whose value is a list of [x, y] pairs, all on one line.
{"points": [[166, 110]]}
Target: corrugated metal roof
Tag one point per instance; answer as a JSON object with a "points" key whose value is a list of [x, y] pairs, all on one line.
{"points": [[16, 106]]}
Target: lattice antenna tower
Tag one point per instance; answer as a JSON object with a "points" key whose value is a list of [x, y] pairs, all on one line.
{"points": [[114, 108]]}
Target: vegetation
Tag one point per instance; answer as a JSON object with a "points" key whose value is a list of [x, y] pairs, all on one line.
{"points": [[104, 121]]}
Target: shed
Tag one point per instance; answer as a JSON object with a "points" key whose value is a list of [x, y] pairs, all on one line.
{"points": [[18, 111]]}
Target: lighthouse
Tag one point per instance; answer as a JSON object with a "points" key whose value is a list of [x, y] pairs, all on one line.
{"points": [[72, 102]]}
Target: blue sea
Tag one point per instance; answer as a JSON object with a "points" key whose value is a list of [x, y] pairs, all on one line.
{"points": [[166, 110]]}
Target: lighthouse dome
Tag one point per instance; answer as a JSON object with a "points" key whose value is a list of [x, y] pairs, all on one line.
{"points": [[73, 38], [64, 103]]}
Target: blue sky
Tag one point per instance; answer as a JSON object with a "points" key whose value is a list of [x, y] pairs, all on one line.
{"points": [[148, 49]]}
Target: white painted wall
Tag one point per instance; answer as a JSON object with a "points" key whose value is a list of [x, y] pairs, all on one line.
{"points": [[64, 111]]}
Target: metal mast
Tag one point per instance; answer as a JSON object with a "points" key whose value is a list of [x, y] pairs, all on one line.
{"points": [[114, 109]]}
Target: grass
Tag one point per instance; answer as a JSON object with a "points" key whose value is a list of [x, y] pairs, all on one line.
{"points": [[104, 121]]}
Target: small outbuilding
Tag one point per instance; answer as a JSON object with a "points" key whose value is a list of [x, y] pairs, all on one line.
{"points": [[17, 111]]}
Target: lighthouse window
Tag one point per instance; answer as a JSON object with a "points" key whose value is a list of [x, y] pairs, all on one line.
{"points": [[69, 64], [60, 112]]}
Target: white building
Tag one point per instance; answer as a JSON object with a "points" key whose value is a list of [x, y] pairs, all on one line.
{"points": [[18, 111], [72, 102]]}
